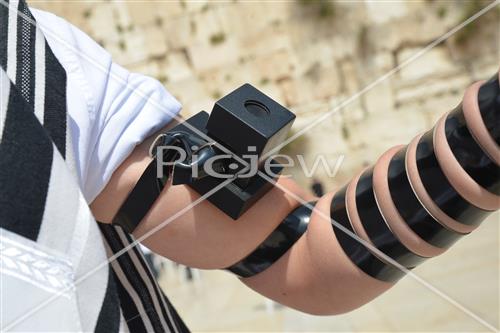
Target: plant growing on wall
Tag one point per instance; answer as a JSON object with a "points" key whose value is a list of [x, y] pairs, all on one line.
{"points": [[323, 8]]}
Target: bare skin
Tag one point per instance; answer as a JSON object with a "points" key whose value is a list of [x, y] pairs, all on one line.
{"points": [[314, 276]]}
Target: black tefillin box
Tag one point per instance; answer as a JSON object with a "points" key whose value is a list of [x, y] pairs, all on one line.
{"points": [[246, 123]]}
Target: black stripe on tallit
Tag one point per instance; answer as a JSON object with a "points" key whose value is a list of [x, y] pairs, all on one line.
{"points": [[135, 280], [26, 36], [4, 34], [109, 315], [25, 166], [130, 311], [55, 101], [152, 281]]}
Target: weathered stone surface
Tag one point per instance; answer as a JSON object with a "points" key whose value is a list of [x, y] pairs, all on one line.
{"points": [[419, 29], [155, 41], [399, 127], [436, 88], [349, 76], [379, 98], [194, 6], [434, 108], [178, 32], [265, 41], [133, 47], [206, 27], [167, 10], [278, 65], [382, 12], [140, 13], [294, 92], [351, 109], [433, 62], [201, 50], [205, 56], [148, 68], [103, 24], [192, 94], [244, 17], [176, 66]]}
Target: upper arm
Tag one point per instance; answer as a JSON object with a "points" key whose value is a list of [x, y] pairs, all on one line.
{"points": [[110, 110], [314, 275], [196, 235]]}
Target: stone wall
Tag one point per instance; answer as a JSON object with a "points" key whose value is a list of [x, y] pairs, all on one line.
{"points": [[313, 56]]}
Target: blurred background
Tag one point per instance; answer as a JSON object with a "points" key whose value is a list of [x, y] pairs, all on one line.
{"points": [[313, 56]]}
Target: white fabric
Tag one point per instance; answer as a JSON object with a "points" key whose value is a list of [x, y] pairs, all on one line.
{"points": [[110, 109], [29, 268]]}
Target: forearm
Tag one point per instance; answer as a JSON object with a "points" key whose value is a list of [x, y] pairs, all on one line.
{"points": [[203, 236], [411, 206], [321, 273]]}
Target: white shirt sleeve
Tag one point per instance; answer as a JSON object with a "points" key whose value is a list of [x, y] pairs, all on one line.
{"points": [[110, 109]]}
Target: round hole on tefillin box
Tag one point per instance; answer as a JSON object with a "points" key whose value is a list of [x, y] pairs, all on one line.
{"points": [[257, 108]]}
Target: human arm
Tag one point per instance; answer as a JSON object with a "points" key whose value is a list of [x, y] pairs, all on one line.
{"points": [[316, 274]]}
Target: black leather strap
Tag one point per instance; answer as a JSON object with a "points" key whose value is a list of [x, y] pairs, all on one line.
{"points": [[489, 106], [150, 184], [140, 200], [469, 154], [375, 226], [410, 208], [276, 244], [356, 251], [440, 189]]}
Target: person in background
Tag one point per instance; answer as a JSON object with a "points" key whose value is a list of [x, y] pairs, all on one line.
{"points": [[317, 187], [149, 256]]}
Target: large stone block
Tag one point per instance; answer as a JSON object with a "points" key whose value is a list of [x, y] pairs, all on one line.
{"points": [[168, 9], [206, 27], [190, 92], [349, 75], [432, 87], [178, 32], [312, 108], [325, 136], [223, 79], [148, 68], [483, 69], [344, 46], [78, 13], [132, 45], [175, 67], [388, 128], [317, 53], [420, 28], [277, 65], [380, 12], [416, 66], [328, 84], [103, 24], [265, 41], [141, 13], [155, 41], [195, 6], [205, 56], [317, 84], [294, 92], [121, 14], [351, 108], [382, 63], [272, 91], [244, 18], [433, 108], [379, 98]]}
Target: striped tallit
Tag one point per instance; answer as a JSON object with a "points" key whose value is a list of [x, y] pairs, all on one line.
{"points": [[40, 200]]}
